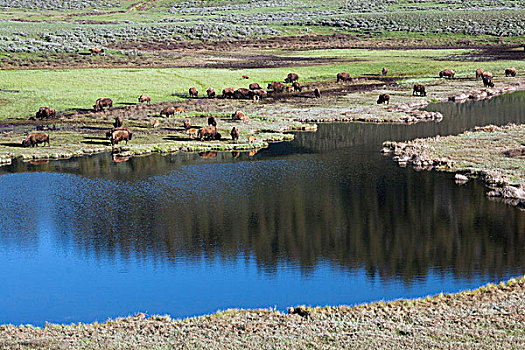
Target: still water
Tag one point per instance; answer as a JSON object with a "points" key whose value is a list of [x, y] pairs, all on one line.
{"points": [[323, 220]]}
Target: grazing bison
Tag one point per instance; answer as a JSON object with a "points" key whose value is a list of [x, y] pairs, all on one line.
{"points": [[186, 124], [96, 51], [110, 133], [245, 77], [118, 122], [510, 71], [344, 76], [291, 77], [33, 139], [317, 93], [180, 110], [45, 113], [239, 116], [487, 82], [228, 92], [144, 98], [261, 93], [419, 90], [210, 92], [447, 73], [384, 71], [193, 92], [120, 135], [383, 98], [208, 133], [101, 103], [167, 111], [242, 93], [297, 87], [212, 121], [234, 133], [479, 73], [487, 75], [276, 86], [254, 86]]}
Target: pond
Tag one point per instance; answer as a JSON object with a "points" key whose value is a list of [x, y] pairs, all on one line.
{"points": [[323, 220]]}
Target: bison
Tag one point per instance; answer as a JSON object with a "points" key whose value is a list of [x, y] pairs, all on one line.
{"points": [[234, 133], [193, 92], [419, 90], [207, 133], [192, 132], [210, 92], [110, 133], [276, 86], [384, 71], [238, 115], [261, 93], [291, 77], [245, 77], [228, 92], [156, 124], [254, 86], [487, 82], [101, 103], [212, 121], [447, 73], [186, 124], [96, 51], [144, 98], [297, 87], [118, 122], [510, 71], [167, 111], [33, 139], [479, 73], [120, 135], [317, 93], [45, 113], [487, 75], [289, 88], [180, 110], [344, 76], [242, 93], [383, 98]]}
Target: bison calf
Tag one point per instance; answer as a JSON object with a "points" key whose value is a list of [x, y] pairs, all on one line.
{"points": [[383, 98], [32, 140]]}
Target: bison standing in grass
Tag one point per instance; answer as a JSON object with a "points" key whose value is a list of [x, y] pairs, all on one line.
{"points": [[384, 71], [254, 86], [212, 121], [479, 73], [317, 93], [487, 82], [32, 140], [45, 113], [228, 92], [383, 98], [118, 122], [276, 86], [419, 90], [234, 133], [291, 77], [210, 92], [193, 92], [297, 87], [186, 124], [239, 116], [144, 98], [102, 102], [120, 135], [167, 111], [447, 73], [343, 76], [487, 75], [208, 133], [242, 93], [510, 71]]}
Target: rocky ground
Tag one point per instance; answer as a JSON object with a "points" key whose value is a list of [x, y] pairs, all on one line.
{"points": [[491, 317]]}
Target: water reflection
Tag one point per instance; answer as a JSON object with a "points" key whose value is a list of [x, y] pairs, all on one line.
{"points": [[326, 210]]}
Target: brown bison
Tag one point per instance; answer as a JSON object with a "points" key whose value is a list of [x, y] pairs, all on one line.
{"points": [[510, 71], [212, 121], [193, 92], [384, 71], [297, 87], [317, 93], [45, 113], [479, 73], [179, 110], [261, 93], [419, 90], [276, 86], [228, 92], [291, 77], [96, 51], [487, 82], [239, 116], [254, 86], [447, 73], [118, 122], [208, 154], [186, 124], [487, 75], [167, 111], [242, 93], [344, 76], [245, 77], [32, 140], [144, 98], [210, 92], [101, 103], [234, 133], [110, 133], [383, 98], [120, 135], [208, 133]]}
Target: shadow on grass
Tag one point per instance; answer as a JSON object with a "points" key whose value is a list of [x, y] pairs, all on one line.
{"points": [[12, 144]]}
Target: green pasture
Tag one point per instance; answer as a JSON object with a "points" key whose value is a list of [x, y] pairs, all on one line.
{"points": [[22, 92]]}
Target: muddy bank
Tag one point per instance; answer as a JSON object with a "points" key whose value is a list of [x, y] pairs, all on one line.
{"points": [[494, 154], [490, 317]]}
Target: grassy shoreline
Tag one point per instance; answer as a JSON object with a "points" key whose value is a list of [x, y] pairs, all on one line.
{"points": [[490, 317]]}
